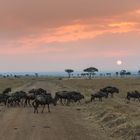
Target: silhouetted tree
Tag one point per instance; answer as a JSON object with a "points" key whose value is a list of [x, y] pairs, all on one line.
{"points": [[117, 74], [139, 72], [36, 74], [69, 71], [128, 73], [122, 73], [108, 74], [91, 71]]}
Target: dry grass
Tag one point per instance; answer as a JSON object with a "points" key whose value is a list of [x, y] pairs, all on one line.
{"points": [[116, 116], [14, 83]]}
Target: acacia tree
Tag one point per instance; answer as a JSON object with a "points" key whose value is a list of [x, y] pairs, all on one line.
{"points": [[69, 71], [91, 71], [123, 73], [139, 72]]}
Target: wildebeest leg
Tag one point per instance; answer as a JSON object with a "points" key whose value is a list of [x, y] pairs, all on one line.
{"points": [[61, 101], [100, 99], [49, 108], [25, 102], [18, 104], [134, 99], [79, 102], [111, 95], [43, 109], [29, 102], [91, 99], [35, 107], [68, 102]]}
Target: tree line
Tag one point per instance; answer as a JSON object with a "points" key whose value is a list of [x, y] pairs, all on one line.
{"points": [[91, 72]]}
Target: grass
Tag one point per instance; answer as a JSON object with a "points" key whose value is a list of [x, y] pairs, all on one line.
{"points": [[116, 116], [13, 83]]}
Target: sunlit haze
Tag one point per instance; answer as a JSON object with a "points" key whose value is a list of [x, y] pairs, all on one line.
{"points": [[52, 35]]}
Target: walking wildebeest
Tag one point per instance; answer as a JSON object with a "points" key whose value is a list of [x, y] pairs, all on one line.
{"points": [[7, 90], [110, 90], [99, 95], [43, 100], [3, 98], [68, 96], [32, 95], [134, 95]]}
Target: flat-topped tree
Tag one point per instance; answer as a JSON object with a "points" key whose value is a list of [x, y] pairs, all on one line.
{"points": [[139, 72], [91, 71], [123, 73], [69, 71]]}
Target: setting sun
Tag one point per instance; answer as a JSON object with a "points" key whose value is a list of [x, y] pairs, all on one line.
{"points": [[119, 62]]}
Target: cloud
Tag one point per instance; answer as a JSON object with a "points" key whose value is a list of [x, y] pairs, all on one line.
{"points": [[69, 30]]}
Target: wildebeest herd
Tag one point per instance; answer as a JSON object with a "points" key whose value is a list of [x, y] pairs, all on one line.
{"points": [[37, 97]]}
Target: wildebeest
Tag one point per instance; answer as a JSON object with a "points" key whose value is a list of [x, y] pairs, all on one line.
{"points": [[43, 100], [13, 101], [134, 95], [16, 98], [68, 96], [99, 95], [6, 91], [110, 90], [32, 95], [3, 98]]}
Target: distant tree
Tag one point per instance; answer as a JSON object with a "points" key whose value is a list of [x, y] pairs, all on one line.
{"points": [[91, 71], [128, 73], [69, 71], [139, 72], [117, 74], [36, 74], [122, 73], [108, 74]]}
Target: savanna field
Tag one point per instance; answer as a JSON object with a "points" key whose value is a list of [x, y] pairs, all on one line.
{"points": [[113, 118]]}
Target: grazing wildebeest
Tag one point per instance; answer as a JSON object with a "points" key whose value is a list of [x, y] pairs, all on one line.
{"points": [[17, 98], [68, 96], [29, 97], [134, 95], [6, 91], [99, 95], [43, 100], [3, 98], [110, 90], [32, 95], [61, 95], [38, 91], [13, 101]]}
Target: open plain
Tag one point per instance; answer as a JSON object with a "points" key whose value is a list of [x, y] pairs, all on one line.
{"points": [[112, 119]]}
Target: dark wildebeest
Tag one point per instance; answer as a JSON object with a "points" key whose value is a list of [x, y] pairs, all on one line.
{"points": [[68, 96], [61, 95], [17, 98], [134, 95], [43, 100], [110, 90], [13, 101], [32, 95], [99, 95], [7, 90], [3, 98]]}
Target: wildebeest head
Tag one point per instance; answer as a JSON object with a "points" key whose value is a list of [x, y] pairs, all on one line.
{"points": [[7, 90]]}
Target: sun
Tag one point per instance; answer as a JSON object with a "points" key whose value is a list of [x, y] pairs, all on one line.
{"points": [[119, 62]]}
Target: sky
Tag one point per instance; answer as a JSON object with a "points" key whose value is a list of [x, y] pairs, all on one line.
{"points": [[52, 35]]}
